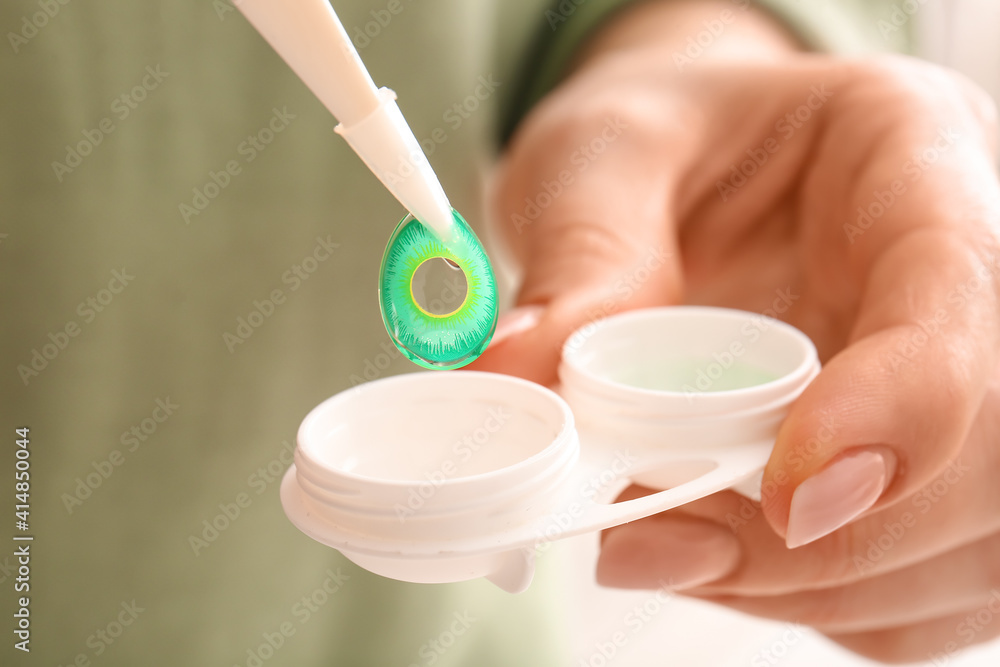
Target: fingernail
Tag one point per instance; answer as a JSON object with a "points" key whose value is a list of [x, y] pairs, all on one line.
{"points": [[682, 552], [840, 493], [516, 321]]}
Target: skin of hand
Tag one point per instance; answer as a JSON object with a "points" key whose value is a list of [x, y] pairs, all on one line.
{"points": [[858, 197]]}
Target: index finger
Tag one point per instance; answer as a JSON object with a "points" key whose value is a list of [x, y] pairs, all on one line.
{"points": [[924, 342]]}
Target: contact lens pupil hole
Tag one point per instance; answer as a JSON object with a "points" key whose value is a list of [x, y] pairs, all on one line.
{"points": [[439, 286]]}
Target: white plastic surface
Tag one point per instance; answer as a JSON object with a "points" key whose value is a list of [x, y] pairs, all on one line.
{"points": [[309, 36], [437, 477], [387, 145]]}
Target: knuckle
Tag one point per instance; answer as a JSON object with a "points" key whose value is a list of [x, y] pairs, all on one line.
{"points": [[906, 78], [911, 90], [635, 112], [583, 243]]}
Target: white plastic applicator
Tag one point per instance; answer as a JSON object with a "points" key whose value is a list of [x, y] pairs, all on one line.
{"points": [[309, 37]]}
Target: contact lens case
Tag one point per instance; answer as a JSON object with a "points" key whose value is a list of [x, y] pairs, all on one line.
{"points": [[443, 477]]}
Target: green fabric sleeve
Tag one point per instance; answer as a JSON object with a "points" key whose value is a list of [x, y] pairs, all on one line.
{"points": [[837, 26], [566, 25]]}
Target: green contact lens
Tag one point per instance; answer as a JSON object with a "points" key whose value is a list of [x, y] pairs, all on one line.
{"points": [[439, 303]]}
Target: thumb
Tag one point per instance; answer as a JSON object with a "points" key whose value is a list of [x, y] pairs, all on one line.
{"points": [[585, 205]]}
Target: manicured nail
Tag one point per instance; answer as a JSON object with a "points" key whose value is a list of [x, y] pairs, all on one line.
{"points": [[840, 493], [683, 552], [517, 321]]}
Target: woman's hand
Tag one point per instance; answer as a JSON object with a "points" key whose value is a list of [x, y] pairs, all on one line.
{"points": [[856, 200]]}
